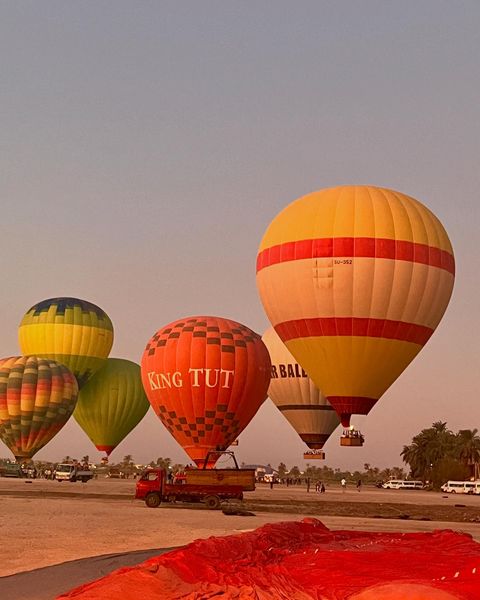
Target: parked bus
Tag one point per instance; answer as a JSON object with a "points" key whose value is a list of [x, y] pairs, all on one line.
{"points": [[461, 487], [402, 484]]}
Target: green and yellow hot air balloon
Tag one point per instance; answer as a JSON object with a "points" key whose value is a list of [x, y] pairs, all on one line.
{"points": [[73, 332], [111, 403], [37, 397]]}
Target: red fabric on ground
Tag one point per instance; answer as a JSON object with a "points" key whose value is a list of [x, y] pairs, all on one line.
{"points": [[303, 561]]}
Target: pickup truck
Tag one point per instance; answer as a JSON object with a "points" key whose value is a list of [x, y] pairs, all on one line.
{"points": [[209, 486], [71, 472]]}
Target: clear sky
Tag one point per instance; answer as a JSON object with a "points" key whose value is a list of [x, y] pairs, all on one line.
{"points": [[145, 147]]}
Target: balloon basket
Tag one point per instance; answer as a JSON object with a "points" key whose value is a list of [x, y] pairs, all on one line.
{"points": [[351, 441], [315, 455]]}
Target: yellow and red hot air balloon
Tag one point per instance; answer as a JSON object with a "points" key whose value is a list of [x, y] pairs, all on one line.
{"points": [[111, 403], [355, 279], [73, 332], [37, 397], [205, 377], [298, 398]]}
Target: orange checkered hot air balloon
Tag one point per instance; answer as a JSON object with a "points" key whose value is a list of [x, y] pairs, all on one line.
{"points": [[205, 377], [355, 279]]}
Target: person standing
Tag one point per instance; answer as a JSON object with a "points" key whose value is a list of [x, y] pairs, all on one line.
{"points": [[359, 485], [344, 484]]}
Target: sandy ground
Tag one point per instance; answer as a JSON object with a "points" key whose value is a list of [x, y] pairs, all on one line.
{"points": [[45, 523]]}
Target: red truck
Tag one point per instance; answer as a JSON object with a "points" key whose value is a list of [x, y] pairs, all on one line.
{"points": [[209, 486]]}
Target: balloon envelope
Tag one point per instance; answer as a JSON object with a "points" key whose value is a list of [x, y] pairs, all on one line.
{"points": [[37, 397], [111, 403], [205, 377], [355, 280], [297, 397], [73, 332]]}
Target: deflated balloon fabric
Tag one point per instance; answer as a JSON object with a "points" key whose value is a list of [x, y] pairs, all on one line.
{"points": [[304, 561]]}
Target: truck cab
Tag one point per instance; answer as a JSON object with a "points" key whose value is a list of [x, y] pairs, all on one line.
{"points": [[72, 472]]}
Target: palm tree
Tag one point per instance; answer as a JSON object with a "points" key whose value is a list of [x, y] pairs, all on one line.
{"points": [[469, 449], [163, 463], [414, 455], [428, 448], [127, 464], [398, 473]]}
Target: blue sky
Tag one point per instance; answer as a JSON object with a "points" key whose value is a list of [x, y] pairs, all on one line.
{"points": [[146, 146]]}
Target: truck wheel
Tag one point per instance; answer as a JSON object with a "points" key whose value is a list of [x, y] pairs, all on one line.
{"points": [[84, 479], [212, 502], [152, 500]]}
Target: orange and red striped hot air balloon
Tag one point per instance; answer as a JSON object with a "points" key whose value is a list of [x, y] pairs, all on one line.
{"points": [[355, 279], [205, 378], [37, 397]]}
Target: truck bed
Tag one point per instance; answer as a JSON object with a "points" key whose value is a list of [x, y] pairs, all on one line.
{"points": [[244, 478], [201, 491]]}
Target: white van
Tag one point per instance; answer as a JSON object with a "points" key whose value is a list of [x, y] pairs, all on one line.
{"points": [[461, 487], [402, 484]]}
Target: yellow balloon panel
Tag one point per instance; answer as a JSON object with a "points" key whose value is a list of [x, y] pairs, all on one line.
{"points": [[73, 332], [358, 211]]}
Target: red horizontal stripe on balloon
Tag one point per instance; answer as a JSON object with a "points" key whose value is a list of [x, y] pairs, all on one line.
{"points": [[361, 327], [361, 247]]}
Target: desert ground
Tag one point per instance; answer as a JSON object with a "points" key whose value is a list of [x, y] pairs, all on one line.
{"points": [[46, 522]]}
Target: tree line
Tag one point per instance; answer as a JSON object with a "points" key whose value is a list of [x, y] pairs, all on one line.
{"points": [[437, 455]]}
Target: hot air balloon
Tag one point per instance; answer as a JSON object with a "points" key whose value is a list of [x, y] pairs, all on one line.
{"points": [[298, 398], [111, 403], [74, 332], [205, 377], [37, 397], [355, 280]]}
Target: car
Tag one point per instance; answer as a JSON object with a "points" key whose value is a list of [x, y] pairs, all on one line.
{"points": [[115, 474], [11, 470]]}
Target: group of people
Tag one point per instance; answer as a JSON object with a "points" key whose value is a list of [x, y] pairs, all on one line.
{"points": [[352, 433], [320, 487], [343, 483]]}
